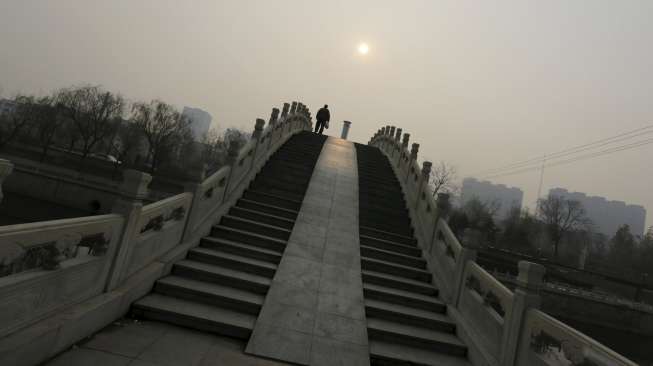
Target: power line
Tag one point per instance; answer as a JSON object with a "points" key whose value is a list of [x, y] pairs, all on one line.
{"points": [[577, 158], [573, 150]]}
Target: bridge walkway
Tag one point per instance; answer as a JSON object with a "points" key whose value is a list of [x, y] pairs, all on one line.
{"points": [[316, 264]]}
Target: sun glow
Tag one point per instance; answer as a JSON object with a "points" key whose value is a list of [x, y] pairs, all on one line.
{"points": [[363, 48]]}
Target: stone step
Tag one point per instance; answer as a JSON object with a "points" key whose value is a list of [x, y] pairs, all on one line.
{"points": [[279, 192], [400, 283], [390, 246], [255, 227], [395, 354], [267, 209], [408, 315], [393, 257], [242, 236], [233, 261], [415, 336], [225, 276], [195, 315], [374, 209], [386, 235], [210, 293], [290, 184], [378, 265], [245, 250], [274, 200], [265, 218], [401, 297], [397, 225]]}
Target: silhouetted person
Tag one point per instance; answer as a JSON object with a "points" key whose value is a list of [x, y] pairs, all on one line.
{"points": [[322, 119]]}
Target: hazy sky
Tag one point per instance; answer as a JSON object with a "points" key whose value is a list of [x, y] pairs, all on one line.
{"points": [[479, 84]]}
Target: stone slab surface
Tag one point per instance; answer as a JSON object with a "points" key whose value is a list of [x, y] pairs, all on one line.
{"points": [[146, 343], [314, 313]]}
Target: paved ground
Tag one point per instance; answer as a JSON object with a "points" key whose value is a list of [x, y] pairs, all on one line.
{"points": [[314, 313], [145, 343]]}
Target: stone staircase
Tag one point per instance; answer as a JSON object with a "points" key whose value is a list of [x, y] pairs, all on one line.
{"points": [[406, 322], [221, 285]]}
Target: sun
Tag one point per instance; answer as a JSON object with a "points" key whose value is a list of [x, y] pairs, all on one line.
{"points": [[363, 48]]}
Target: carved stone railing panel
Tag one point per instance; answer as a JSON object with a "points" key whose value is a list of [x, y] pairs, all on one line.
{"points": [[485, 303], [160, 228], [50, 265], [547, 341]]}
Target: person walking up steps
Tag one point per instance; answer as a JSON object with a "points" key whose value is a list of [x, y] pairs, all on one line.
{"points": [[322, 119]]}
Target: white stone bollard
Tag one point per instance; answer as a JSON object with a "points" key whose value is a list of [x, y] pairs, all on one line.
{"points": [[345, 129]]}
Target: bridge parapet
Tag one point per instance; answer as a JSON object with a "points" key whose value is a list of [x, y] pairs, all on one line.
{"points": [[62, 280], [501, 327]]}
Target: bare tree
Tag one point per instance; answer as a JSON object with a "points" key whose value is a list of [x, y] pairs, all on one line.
{"points": [[443, 178], [560, 216], [93, 111], [163, 126], [128, 139], [13, 123], [46, 123], [214, 150]]}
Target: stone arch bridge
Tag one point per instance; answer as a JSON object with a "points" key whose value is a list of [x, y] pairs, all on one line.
{"points": [[305, 249]]}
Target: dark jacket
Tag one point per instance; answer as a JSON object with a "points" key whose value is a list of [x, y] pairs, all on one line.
{"points": [[323, 115]]}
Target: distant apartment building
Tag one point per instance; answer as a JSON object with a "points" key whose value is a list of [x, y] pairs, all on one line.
{"points": [[487, 192], [200, 121], [606, 215]]}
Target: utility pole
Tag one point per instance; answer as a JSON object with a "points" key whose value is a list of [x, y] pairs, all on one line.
{"points": [[539, 189]]}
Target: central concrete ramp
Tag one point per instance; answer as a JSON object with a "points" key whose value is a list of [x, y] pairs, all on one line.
{"points": [[314, 312]]}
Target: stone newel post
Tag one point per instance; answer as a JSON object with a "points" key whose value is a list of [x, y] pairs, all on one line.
{"points": [[232, 155], [526, 296], [6, 167], [293, 108], [130, 204]]}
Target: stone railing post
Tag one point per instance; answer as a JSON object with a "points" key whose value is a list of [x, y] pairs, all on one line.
{"points": [[195, 177], [526, 296], [285, 109], [423, 182], [404, 146], [274, 117], [256, 135], [232, 155], [293, 108], [130, 204], [6, 167], [413, 157]]}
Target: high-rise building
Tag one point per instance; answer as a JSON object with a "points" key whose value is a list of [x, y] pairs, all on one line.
{"points": [[488, 192], [607, 216], [200, 121]]}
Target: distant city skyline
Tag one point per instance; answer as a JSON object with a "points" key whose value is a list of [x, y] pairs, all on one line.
{"points": [[490, 193], [608, 215]]}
